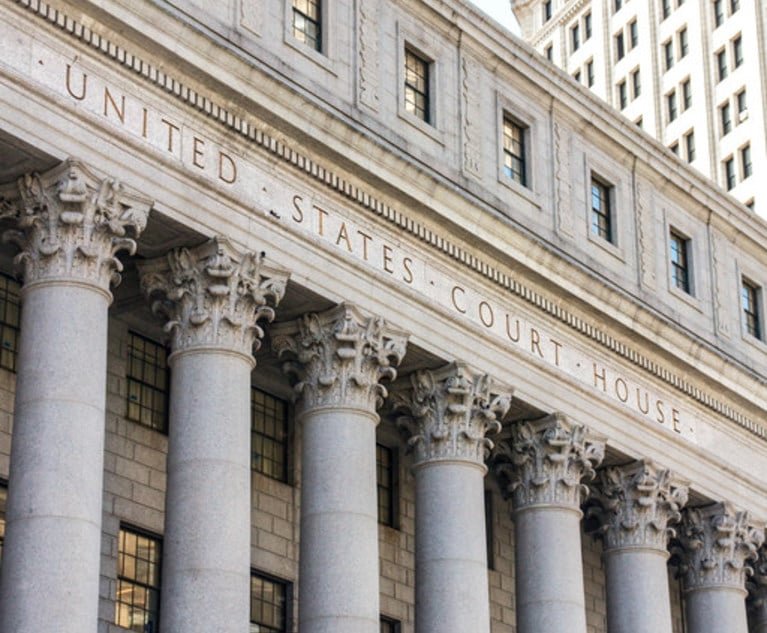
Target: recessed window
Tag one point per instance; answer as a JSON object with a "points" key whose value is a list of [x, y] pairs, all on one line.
{"points": [[575, 36], [417, 85], [742, 103], [269, 604], [686, 94], [633, 34], [674, 147], [587, 26], [665, 8], [636, 83], [514, 150], [737, 51], [668, 55], [671, 106], [601, 209], [734, 6], [684, 43], [137, 603], [617, 5], [390, 626], [730, 178], [489, 532], [386, 478], [622, 94], [549, 52], [680, 266], [577, 76], [268, 435], [689, 143], [547, 10], [148, 382], [725, 118], [620, 46], [721, 65], [306, 22], [718, 12], [745, 161], [590, 73], [750, 295], [3, 500], [10, 315]]}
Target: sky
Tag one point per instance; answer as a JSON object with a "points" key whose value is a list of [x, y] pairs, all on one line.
{"points": [[500, 10]]}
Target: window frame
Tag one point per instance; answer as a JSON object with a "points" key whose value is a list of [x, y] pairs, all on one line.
{"points": [[636, 83], [622, 89], [686, 285], [320, 38], [633, 34], [575, 36], [755, 297], [672, 106], [686, 86], [11, 297], [129, 378], [590, 77], [287, 584], [3, 510], [668, 55], [746, 161], [158, 540], [587, 26], [683, 41], [725, 118], [395, 624], [689, 146], [286, 445], [730, 173], [722, 69], [737, 51], [394, 486], [718, 11], [603, 217], [548, 11], [324, 58], [620, 46]]}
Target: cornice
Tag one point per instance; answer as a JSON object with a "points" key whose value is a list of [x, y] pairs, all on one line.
{"points": [[247, 128]]}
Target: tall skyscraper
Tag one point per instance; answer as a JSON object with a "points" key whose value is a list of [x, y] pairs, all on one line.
{"points": [[693, 73]]}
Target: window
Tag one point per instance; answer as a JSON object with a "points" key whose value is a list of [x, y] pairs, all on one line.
{"points": [[147, 383], [547, 10], [417, 85], [684, 43], [549, 52], [306, 23], [680, 268], [514, 150], [587, 25], [620, 48], [387, 481], [590, 73], [9, 321], [737, 51], [622, 96], [674, 147], [617, 5], [577, 76], [601, 212], [740, 99], [734, 6], [745, 161], [137, 604], [668, 54], [749, 300], [721, 64], [665, 8], [718, 12], [268, 435], [389, 626], [724, 117], [489, 533], [575, 37], [633, 34], [636, 83], [689, 142], [269, 600], [729, 173], [3, 500], [686, 94], [671, 106]]}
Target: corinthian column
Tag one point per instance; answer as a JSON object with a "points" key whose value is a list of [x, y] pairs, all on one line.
{"points": [[448, 412], [213, 298], [549, 459], [69, 225], [338, 359], [718, 544], [638, 501]]}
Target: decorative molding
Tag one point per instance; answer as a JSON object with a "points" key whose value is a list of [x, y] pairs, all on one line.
{"points": [[546, 461], [339, 357], [70, 224], [367, 53], [470, 107], [248, 129], [716, 546], [720, 310], [213, 295], [448, 413], [645, 228], [636, 503], [562, 150]]}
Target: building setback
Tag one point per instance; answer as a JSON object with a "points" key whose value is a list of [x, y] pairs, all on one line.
{"points": [[354, 317]]}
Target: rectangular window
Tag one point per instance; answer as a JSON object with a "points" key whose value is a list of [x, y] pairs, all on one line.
{"points": [[636, 83], [718, 12], [620, 48], [749, 298], [3, 500], [601, 211], [10, 316], [721, 64], [268, 435], [617, 5], [269, 602], [489, 533], [665, 8], [671, 106], [306, 23], [549, 52], [147, 383], [745, 161], [547, 10], [724, 118], [575, 37], [590, 73], [577, 76], [668, 54], [684, 43], [689, 142], [417, 85], [587, 25], [734, 6], [389, 626], [514, 150], [137, 604], [633, 34], [737, 51], [730, 179], [740, 99], [674, 147], [680, 267], [686, 94], [387, 480], [622, 96]]}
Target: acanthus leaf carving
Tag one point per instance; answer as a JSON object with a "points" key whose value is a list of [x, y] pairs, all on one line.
{"points": [[339, 357], [449, 412]]}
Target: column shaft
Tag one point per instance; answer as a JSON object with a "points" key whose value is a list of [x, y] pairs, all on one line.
{"points": [[549, 570], [339, 522], [716, 610], [206, 567], [52, 549], [451, 551]]}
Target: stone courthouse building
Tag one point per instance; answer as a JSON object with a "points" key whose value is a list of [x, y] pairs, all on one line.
{"points": [[358, 316]]}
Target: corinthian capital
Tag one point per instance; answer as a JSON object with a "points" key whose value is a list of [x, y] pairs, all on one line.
{"points": [[338, 357], [546, 461], [636, 504], [213, 295], [449, 411], [718, 545], [70, 224]]}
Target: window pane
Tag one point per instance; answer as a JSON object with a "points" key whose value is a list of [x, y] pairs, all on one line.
{"points": [[386, 477], [137, 604], [680, 274], [9, 320], [417, 85], [601, 216], [306, 22], [269, 435], [147, 383], [268, 605], [514, 151]]}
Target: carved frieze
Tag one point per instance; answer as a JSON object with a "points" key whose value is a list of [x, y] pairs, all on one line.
{"points": [[448, 413], [70, 224], [339, 357], [562, 138], [546, 461], [637, 502], [717, 545], [213, 295], [645, 230], [367, 53], [471, 116]]}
